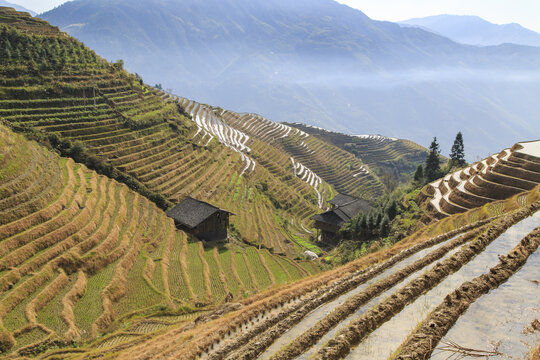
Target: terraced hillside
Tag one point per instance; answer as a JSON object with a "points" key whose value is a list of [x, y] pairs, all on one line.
{"points": [[395, 304], [383, 155], [313, 160], [59, 92], [510, 172], [80, 252]]}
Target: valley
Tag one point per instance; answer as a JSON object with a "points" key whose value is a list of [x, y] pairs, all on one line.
{"points": [[96, 264]]}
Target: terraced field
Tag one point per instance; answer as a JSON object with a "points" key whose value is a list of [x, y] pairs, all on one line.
{"points": [[86, 107], [80, 252], [381, 154], [322, 160], [510, 172], [90, 268], [397, 304]]}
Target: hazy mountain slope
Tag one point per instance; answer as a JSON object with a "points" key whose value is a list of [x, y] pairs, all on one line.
{"points": [[321, 63], [16, 7], [392, 159], [96, 112], [81, 252], [474, 30]]}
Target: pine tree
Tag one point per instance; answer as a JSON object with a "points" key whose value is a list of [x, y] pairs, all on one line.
{"points": [[433, 163], [419, 174], [457, 155], [363, 226], [391, 209], [385, 226]]}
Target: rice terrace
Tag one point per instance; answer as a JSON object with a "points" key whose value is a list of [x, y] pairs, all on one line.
{"points": [[137, 222]]}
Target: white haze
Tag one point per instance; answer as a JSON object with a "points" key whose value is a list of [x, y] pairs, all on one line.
{"points": [[414, 76]]}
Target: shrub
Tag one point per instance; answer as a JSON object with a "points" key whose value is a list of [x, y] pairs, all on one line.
{"points": [[7, 341]]}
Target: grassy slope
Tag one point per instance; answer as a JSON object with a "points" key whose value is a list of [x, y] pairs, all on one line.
{"points": [[80, 253], [395, 157], [333, 164], [184, 340], [51, 84]]}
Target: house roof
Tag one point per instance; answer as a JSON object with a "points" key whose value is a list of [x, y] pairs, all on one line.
{"points": [[341, 199], [353, 208], [328, 217], [343, 213], [191, 212]]}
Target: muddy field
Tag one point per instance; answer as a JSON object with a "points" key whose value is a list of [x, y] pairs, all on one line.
{"points": [[447, 273]]}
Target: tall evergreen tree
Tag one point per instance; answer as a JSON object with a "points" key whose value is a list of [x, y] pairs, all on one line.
{"points": [[384, 226], [419, 174], [433, 163], [457, 154]]}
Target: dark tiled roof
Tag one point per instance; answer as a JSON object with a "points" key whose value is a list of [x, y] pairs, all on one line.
{"points": [[191, 212], [329, 217], [341, 199], [343, 213], [353, 208]]}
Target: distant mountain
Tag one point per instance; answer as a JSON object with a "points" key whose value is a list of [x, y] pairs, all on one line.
{"points": [[474, 30], [17, 7], [319, 62]]}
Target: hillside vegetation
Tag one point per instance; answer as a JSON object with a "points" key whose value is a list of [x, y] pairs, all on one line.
{"points": [[319, 62], [502, 175], [347, 174], [390, 158], [59, 92], [79, 252], [312, 316]]}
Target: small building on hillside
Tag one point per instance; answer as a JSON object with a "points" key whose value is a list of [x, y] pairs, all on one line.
{"points": [[343, 208], [203, 220]]}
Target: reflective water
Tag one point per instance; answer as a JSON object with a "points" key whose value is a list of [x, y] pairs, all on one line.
{"points": [[384, 341], [321, 312], [503, 316], [368, 306]]}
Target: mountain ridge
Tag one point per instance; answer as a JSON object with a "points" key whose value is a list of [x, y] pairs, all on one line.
{"points": [[473, 30], [326, 65], [17, 7]]}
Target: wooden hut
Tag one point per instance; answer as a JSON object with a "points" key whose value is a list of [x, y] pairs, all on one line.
{"points": [[343, 208], [201, 219]]}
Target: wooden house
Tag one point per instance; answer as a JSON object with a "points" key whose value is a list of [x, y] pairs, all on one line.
{"points": [[343, 208], [203, 220]]}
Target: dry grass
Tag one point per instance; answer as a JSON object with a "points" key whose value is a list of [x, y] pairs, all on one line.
{"points": [[68, 301], [129, 247], [457, 352], [46, 295], [222, 277], [206, 273]]}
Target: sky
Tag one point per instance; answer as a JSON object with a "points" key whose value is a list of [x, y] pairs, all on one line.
{"points": [[38, 6], [523, 12]]}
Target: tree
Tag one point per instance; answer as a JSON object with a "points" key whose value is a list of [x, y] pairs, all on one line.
{"points": [[419, 174], [433, 163], [384, 227], [391, 209], [119, 65], [457, 155]]}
